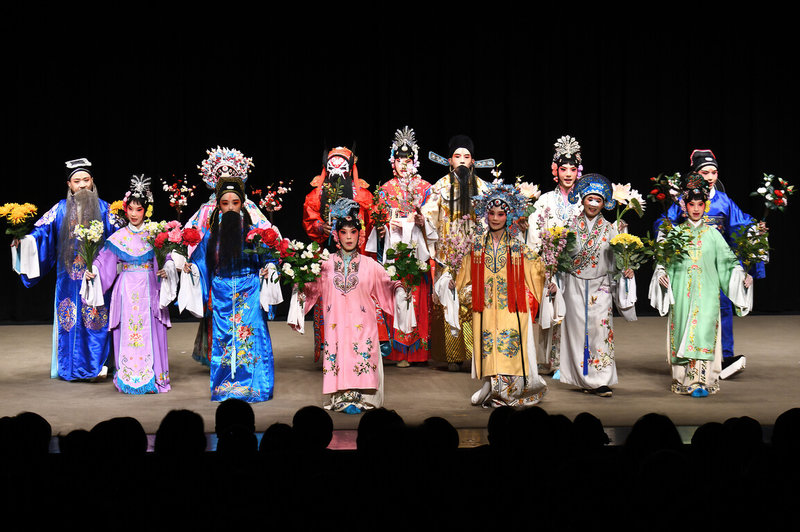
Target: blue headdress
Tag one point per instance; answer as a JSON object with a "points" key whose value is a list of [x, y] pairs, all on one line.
{"points": [[507, 197], [343, 209], [593, 184]]}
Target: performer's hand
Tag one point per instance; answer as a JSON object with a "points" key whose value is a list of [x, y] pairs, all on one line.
{"points": [[162, 273], [451, 285], [748, 281], [89, 275], [263, 272], [762, 226], [15, 243], [419, 220], [628, 273], [664, 281], [622, 227], [382, 231], [552, 289], [187, 267], [326, 228], [301, 298], [523, 224]]}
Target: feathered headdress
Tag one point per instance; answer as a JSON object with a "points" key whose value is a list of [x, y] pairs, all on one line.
{"points": [[224, 162], [404, 144]]}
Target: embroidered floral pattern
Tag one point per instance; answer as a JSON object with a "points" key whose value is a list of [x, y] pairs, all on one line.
{"points": [[67, 314], [345, 281], [94, 318]]}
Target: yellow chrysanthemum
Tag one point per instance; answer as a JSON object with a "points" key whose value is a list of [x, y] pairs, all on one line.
{"points": [[20, 213], [149, 212], [5, 209], [556, 231], [117, 206], [627, 240]]}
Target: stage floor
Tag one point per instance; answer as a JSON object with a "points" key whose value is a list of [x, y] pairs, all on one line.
{"points": [[769, 386]]}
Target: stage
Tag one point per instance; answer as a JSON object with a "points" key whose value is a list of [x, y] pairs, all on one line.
{"points": [[769, 386]]}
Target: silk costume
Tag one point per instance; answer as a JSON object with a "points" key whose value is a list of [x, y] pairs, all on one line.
{"points": [[413, 347], [724, 215], [137, 322], [241, 364], [352, 367], [80, 332], [503, 351], [587, 332], [437, 213], [694, 348]]}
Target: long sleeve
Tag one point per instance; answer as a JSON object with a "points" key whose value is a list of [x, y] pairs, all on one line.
{"points": [[45, 233], [312, 216], [384, 287], [106, 262]]}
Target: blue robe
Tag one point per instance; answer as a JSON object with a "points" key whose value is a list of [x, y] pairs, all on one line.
{"points": [[80, 332], [730, 220], [239, 329]]}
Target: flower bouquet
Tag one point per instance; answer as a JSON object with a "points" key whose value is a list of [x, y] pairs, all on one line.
{"points": [[263, 242], [117, 210], [91, 238], [751, 245], [159, 237], [403, 265], [302, 263], [629, 253], [775, 197], [557, 244], [379, 210], [669, 249], [269, 199], [666, 189], [18, 217]]}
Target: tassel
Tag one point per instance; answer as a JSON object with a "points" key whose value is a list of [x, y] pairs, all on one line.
{"points": [[477, 282], [512, 291], [521, 297]]}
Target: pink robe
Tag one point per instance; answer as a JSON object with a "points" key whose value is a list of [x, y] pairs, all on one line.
{"points": [[351, 350]]}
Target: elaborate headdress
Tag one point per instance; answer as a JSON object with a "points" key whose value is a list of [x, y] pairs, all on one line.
{"points": [[567, 151], [224, 162], [507, 197], [140, 188], [593, 184], [700, 158], [404, 145], [344, 209], [78, 165], [695, 187]]}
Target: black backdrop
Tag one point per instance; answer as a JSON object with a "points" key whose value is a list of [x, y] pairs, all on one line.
{"points": [[148, 93]]}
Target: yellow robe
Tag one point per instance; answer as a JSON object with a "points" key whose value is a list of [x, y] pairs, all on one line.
{"points": [[503, 347]]}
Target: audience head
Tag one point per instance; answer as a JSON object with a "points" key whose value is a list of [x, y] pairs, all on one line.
{"points": [[181, 433], [313, 428], [234, 412]]}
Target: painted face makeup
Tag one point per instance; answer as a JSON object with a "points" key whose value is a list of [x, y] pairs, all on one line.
{"points": [[337, 166], [348, 238], [230, 201]]}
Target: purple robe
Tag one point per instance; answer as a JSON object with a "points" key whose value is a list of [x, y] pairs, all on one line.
{"points": [[138, 324]]}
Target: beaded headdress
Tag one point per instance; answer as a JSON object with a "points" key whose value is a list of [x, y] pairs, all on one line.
{"points": [[507, 197], [224, 162], [404, 144], [593, 184]]}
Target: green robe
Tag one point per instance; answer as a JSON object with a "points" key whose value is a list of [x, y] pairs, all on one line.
{"points": [[696, 280]]}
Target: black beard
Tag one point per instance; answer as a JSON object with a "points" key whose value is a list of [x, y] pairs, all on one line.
{"points": [[224, 252]]}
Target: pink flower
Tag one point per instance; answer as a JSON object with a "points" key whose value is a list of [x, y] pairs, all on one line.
{"points": [[175, 235]]}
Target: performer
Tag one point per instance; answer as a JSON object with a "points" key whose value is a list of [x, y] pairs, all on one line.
{"points": [[221, 163], [404, 195], [349, 283], [80, 336], [694, 282], [338, 178], [140, 352], [553, 209], [241, 349], [450, 199], [499, 268], [587, 334], [729, 220]]}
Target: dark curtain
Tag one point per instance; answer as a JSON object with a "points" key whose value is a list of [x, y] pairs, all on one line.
{"points": [[146, 93]]}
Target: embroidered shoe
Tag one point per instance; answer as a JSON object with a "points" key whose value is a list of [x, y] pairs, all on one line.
{"points": [[700, 392], [479, 397], [403, 364], [732, 365], [557, 375]]}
